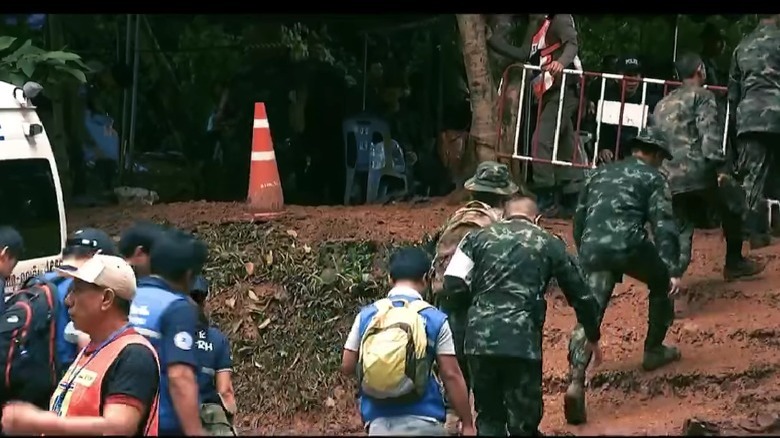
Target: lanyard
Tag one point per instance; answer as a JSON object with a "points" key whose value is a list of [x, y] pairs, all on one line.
{"points": [[61, 398]]}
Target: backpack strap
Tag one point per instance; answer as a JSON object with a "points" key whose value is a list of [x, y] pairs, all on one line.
{"points": [[56, 280], [383, 305], [419, 305]]}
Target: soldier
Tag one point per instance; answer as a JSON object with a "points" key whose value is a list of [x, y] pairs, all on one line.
{"points": [[688, 118], [504, 270], [550, 42], [490, 187], [609, 231], [754, 94], [712, 45]]}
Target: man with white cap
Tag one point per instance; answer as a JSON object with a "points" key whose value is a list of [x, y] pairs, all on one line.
{"points": [[112, 387]]}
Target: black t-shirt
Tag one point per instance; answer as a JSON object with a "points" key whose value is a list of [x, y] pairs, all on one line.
{"points": [[133, 379]]}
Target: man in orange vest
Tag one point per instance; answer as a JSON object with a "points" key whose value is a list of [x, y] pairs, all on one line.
{"points": [[112, 386]]}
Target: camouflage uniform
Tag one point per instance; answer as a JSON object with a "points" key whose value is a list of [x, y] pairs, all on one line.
{"points": [[688, 118], [508, 267], [755, 94], [609, 231], [490, 177]]}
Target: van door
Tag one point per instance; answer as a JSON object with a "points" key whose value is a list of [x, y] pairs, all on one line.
{"points": [[29, 204]]}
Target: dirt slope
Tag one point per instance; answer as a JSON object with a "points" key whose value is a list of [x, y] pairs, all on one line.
{"points": [[729, 333]]}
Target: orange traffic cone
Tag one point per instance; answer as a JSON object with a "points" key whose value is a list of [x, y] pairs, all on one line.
{"points": [[265, 189]]}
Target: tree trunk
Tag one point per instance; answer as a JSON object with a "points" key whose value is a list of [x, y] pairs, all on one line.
{"points": [[482, 90], [55, 122]]}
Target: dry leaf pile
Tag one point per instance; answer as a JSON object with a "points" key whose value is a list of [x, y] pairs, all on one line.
{"points": [[287, 308]]}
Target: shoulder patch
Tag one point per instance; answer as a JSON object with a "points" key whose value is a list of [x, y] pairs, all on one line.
{"points": [[183, 341]]}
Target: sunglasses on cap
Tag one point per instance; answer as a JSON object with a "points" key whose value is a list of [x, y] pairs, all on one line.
{"points": [[87, 243]]}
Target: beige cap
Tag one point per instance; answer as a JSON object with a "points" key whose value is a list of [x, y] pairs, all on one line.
{"points": [[107, 271]]}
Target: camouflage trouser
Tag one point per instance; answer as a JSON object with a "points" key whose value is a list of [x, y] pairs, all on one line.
{"points": [[507, 395], [758, 156], [216, 421], [728, 201], [643, 264], [547, 176]]}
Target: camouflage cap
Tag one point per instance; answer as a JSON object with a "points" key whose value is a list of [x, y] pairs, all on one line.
{"points": [[652, 136], [491, 177]]}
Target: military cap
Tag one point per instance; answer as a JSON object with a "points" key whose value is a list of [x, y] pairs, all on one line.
{"points": [[491, 177], [652, 136]]}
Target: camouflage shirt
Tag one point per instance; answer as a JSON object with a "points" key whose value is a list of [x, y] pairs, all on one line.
{"points": [[616, 202], [688, 116], [506, 268], [754, 81]]}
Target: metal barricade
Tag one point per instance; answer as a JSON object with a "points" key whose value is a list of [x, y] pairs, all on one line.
{"points": [[609, 112]]}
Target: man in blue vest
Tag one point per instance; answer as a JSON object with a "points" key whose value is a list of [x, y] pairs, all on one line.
{"points": [[135, 244], [163, 312], [79, 248], [408, 271], [215, 361]]}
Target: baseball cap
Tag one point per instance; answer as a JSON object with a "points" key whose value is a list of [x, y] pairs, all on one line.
{"points": [[93, 238], [629, 64], [107, 271]]}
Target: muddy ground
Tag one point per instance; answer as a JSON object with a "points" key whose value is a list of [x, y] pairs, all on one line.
{"points": [[729, 333]]}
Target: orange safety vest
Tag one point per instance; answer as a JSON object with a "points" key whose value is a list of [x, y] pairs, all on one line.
{"points": [[82, 398]]}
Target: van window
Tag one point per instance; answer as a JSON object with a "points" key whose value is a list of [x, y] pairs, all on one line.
{"points": [[29, 204]]}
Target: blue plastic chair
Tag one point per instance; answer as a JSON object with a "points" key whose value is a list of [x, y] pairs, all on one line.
{"points": [[387, 161], [360, 133]]}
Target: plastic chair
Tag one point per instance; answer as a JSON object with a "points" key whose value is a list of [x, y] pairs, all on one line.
{"points": [[387, 161], [361, 132]]}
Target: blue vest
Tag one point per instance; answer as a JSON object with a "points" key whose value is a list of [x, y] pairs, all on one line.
{"points": [[208, 344], [65, 351], [432, 403], [152, 297]]}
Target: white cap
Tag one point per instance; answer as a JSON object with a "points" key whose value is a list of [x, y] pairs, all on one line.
{"points": [[107, 271]]}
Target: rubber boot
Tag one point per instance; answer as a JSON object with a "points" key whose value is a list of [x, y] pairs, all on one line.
{"points": [[758, 228], [742, 268], [659, 356], [574, 399]]}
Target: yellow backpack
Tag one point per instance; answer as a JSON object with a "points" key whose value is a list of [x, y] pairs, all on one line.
{"points": [[394, 364]]}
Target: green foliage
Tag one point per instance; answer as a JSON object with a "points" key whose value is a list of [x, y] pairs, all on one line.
{"points": [[21, 61], [287, 308]]}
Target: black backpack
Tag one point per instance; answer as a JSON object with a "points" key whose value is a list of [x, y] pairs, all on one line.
{"points": [[27, 344]]}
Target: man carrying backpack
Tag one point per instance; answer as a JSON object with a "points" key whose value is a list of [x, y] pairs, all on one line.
{"points": [[11, 248], [163, 312], [399, 394], [112, 387], [490, 186], [79, 248]]}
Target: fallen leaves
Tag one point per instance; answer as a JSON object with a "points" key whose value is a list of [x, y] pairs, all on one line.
{"points": [[264, 324], [287, 307]]}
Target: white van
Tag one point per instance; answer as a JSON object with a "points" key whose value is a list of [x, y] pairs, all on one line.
{"points": [[30, 190]]}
